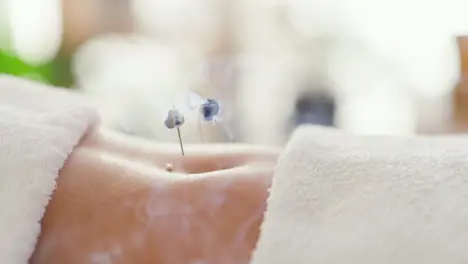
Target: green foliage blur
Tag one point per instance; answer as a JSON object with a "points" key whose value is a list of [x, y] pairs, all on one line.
{"points": [[56, 72]]}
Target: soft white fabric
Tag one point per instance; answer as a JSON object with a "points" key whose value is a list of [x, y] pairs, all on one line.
{"points": [[39, 126], [338, 198]]}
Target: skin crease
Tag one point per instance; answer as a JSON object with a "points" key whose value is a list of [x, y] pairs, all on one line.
{"points": [[115, 203]]}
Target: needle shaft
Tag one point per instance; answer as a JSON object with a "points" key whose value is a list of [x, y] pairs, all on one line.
{"points": [[180, 141]]}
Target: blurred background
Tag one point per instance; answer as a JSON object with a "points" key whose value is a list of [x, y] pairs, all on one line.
{"points": [[138, 58]]}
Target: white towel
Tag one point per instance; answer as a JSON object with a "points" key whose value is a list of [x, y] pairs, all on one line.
{"points": [[39, 126], [338, 198]]}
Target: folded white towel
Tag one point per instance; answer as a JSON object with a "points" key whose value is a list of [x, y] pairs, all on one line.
{"points": [[39, 126], [338, 198]]}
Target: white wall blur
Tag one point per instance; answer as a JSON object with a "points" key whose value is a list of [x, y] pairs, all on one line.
{"points": [[35, 28], [388, 76], [254, 56], [136, 78]]}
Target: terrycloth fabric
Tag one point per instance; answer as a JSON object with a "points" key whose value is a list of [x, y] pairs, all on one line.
{"points": [[39, 126], [338, 199]]}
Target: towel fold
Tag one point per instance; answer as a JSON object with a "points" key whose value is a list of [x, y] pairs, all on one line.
{"points": [[39, 126], [338, 198]]}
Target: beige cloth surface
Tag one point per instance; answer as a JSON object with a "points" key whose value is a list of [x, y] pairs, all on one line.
{"points": [[338, 198], [39, 126]]}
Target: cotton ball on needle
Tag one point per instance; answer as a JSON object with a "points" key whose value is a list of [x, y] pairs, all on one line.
{"points": [[173, 120], [208, 109]]}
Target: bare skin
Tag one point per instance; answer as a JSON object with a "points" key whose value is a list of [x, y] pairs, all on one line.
{"points": [[115, 203]]}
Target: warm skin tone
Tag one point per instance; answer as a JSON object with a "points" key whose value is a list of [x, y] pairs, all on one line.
{"points": [[115, 203]]}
